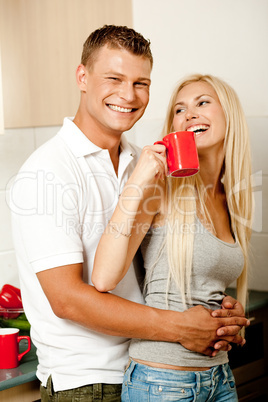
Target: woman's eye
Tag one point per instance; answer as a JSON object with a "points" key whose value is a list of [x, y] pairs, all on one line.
{"points": [[204, 102], [177, 111]]}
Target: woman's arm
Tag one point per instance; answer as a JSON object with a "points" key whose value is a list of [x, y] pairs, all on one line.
{"points": [[137, 206]]}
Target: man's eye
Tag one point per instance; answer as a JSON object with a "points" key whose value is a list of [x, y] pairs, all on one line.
{"points": [[141, 84], [113, 78]]}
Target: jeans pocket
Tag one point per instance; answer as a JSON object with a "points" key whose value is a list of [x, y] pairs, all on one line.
{"points": [[172, 393], [135, 391], [230, 380]]}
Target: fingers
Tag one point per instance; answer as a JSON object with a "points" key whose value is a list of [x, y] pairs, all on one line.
{"points": [[210, 352], [154, 159], [160, 153], [228, 331], [239, 340], [161, 149], [222, 345], [227, 313], [230, 303], [229, 324]]}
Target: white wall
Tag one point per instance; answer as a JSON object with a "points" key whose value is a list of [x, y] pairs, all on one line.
{"points": [[1, 100], [15, 147], [225, 38]]}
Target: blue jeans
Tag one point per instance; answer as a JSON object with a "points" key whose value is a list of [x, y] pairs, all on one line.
{"points": [[143, 383]]}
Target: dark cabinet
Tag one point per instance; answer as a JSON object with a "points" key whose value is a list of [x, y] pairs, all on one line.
{"points": [[250, 363]]}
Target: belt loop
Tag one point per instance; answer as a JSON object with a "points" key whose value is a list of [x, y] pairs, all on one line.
{"points": [[97, 392], [214, 373], [197, 374], [224, 366], [130, 368], [49, 386]]}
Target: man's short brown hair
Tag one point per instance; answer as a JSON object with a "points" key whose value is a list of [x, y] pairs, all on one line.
{"points": [[115, 37]]}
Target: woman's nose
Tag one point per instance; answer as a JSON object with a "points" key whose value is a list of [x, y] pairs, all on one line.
{"points": [[191, 114]]}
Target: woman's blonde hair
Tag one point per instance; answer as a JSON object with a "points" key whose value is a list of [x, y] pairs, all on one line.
{"points": [[185, 195]]}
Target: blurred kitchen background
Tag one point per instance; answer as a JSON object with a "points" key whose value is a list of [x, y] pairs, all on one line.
{"points": [[40, 47]]}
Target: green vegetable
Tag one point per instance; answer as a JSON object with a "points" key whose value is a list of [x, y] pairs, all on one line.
{"points": [[19, 323], [22, 317]]}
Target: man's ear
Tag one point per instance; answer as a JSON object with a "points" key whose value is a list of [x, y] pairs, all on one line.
{"points": [[81, 77]]}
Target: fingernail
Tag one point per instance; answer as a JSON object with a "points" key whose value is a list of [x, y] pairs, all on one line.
{"points": [[221, 332]]}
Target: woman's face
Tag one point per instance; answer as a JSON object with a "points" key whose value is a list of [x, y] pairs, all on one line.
{"points": [[197, 108]]}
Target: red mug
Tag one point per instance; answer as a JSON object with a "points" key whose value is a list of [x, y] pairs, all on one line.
{"points": [[9, 347], [182, 156]]}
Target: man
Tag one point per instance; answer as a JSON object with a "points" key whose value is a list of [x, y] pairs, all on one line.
{"points": [[61, 202]]}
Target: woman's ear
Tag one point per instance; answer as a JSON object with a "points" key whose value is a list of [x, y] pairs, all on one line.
{"points": [[81, 77]]}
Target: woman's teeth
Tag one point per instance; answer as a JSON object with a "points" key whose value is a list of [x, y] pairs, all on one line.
{"points": [[199, 128], [119, 109]]}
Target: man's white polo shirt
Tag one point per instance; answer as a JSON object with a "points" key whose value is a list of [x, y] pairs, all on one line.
{"points": [[61, 202]]}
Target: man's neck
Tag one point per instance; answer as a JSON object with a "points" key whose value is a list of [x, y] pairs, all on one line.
{"points": [[100, 138]]}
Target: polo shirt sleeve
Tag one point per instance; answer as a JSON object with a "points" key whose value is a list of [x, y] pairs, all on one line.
{"points": [[46, 219]]}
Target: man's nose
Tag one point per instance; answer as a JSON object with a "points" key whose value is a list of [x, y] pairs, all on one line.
{"points": [[127, 91]]}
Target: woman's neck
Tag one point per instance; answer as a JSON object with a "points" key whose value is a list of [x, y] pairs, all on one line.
{"points": [[211, 173]]}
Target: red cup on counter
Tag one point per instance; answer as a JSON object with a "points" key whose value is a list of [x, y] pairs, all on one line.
{"points": [[9, 347], [182, 156]]}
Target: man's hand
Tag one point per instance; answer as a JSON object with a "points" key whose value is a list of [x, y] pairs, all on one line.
{"points": [[199, 330], [229, 308], [230, 304]]}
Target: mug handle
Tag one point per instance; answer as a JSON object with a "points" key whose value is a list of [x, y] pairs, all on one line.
{"points": [[160, 142], [166, 145], [29, 346]]}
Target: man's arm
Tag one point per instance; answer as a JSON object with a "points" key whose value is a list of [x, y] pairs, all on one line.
{"points": [[73, 299]]}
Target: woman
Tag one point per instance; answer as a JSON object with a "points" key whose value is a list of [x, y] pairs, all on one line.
{"points": [[197, 244]]}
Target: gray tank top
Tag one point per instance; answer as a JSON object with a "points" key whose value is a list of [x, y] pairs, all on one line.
{"points": [[216, 264]]}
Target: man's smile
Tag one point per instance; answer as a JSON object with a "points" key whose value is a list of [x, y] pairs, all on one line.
{"points": [[120, 109]]}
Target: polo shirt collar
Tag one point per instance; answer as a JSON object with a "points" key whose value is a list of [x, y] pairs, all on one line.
{"points": [[81, 145]]}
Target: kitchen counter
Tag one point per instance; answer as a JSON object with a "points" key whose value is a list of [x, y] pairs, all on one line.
{"points": [[22, 374]]}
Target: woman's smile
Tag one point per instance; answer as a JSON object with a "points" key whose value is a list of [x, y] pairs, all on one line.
{"points": [[198, 109]]}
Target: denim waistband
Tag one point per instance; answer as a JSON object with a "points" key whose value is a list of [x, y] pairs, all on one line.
{"points": [[189, 378]]}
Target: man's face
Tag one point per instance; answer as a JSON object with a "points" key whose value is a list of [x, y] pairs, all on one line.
{"points": [[116, 91]]}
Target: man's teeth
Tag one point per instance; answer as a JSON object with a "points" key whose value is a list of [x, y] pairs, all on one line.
{"points": [[199, 128], [119, 109]]}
